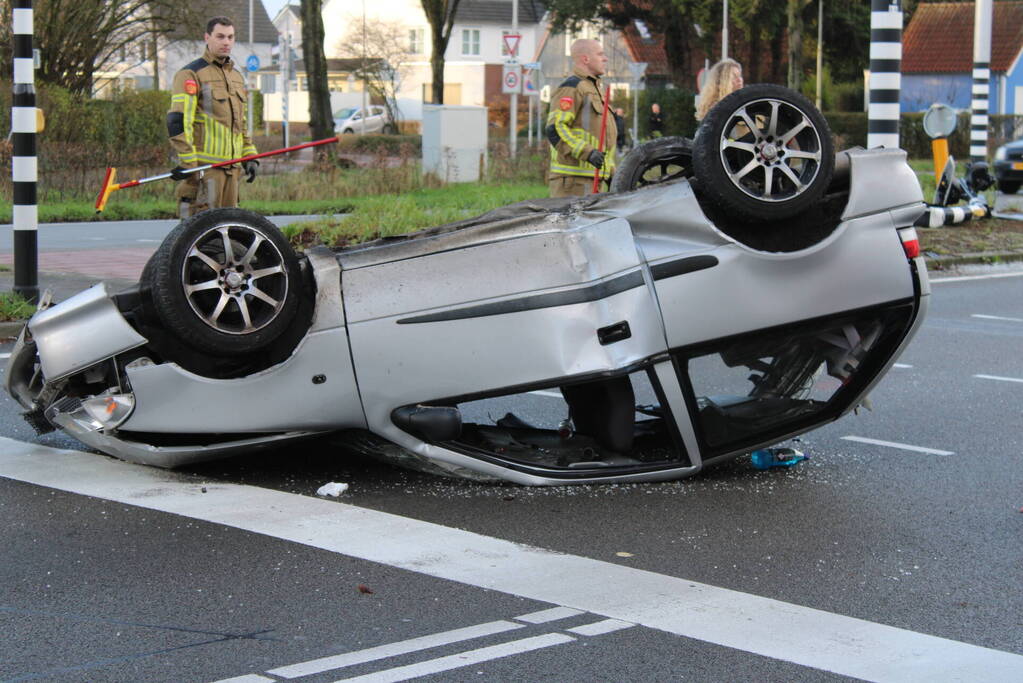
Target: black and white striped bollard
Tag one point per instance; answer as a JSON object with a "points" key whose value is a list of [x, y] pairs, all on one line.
{"points": [[24, 167], [885, 77], [981, 80]]}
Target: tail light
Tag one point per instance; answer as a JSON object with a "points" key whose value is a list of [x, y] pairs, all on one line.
{"points": [[910, 242]]}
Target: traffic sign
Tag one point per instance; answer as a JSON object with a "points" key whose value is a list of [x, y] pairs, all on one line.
{"points": [[252, 63], [530, 78], [511, 79], [511, 43]]}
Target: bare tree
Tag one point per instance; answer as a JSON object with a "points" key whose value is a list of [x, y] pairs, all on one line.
{"points": [[77, 38], [441, 15], [387, 45], [321, 117]]}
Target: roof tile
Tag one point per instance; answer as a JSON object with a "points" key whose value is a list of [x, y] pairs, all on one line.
{"points": [[939, 38]]}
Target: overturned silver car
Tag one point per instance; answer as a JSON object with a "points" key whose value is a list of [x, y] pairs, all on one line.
{"points": [[733, 291]]}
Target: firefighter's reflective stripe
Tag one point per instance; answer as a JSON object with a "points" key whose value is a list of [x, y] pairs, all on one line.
{"points": [[186, 104], [562, 121]]}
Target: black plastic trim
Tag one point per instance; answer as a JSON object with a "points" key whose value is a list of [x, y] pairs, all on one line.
{"points": [[690, 264], [595, 292]]}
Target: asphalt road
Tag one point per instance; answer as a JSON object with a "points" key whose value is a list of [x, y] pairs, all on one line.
{"points": [[144, 575]]}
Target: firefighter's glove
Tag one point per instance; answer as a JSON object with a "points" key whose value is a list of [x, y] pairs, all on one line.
{"points": [[250, 169], [596, 158], [178, 173]]}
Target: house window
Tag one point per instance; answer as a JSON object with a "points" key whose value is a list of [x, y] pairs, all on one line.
{"points": [[470, 41], [416, 38]]}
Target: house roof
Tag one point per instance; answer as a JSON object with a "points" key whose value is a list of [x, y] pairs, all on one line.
{"points": [[646, 44], [263, 30], [939, 38], [498, 12]]}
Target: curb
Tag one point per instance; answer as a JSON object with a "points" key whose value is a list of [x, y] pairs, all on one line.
{"points": [[11, 329], [984, 258]]}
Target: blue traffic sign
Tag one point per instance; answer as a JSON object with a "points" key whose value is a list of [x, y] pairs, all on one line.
{"points": [[252, 63]]}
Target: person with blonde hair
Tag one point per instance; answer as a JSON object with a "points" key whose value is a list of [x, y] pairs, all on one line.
{"points": [[723, 79]]}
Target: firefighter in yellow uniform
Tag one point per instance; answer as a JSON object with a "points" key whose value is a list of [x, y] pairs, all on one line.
{"points": [[206, 124], [573, 126]]}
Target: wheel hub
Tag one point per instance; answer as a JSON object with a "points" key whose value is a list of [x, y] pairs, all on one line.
{"points": [[234, 280], [769, 152]]}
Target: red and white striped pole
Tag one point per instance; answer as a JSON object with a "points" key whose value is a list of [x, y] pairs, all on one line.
{"points": [[24, 171]]}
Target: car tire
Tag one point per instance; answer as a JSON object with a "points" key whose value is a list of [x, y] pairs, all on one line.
{"points": [[347, 131], [741, 167], [1008, 186], [389, 130], [225, 281], [657, 161]]}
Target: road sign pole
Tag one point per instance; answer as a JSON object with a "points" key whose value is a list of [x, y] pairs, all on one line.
{"points": [[248, 109], [514, 113], [24, 166]]}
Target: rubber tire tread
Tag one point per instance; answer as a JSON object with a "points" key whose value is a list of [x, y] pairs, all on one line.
{"points": [[1009, 186], [719, 189], [639, 160], [172, 306]]}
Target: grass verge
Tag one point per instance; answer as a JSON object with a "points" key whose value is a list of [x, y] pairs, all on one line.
{"points": [[14, 307]]}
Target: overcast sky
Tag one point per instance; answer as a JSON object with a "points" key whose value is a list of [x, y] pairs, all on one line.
{"points": [[273, 7]]}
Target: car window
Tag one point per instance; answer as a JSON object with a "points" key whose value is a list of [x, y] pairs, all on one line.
{"points": [[344, 113]]}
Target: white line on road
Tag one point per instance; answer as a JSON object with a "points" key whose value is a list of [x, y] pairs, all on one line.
{"points": [[553, 394], [404, 647], [457, 661], [1000, 379], [996, 317], [599, 628], [814, 638], [251, 678], [964, 278], [895, 444], [547, 615], [896, 365], [7, 355]]}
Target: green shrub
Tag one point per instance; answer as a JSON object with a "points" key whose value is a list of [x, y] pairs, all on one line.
{"points": [[383, 145]]}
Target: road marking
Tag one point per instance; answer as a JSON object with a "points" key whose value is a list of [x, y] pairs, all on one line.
{"points": [[553, 394], [895, 365], [7, 355], [457, 661], [996, 317], [1000, 379], [553, 614], [599, 628], [371, 654], [965, 278], [895, 444], [814, 638], [251, 678]]}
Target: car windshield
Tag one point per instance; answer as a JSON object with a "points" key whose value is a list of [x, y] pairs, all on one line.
{"points": [[345, 113]]}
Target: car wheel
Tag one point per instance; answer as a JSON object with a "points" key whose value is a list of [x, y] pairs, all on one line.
{"points": [[657, 161], [389, 130], [347, 131], [1008, 186], [225, 281], [763, 153]]}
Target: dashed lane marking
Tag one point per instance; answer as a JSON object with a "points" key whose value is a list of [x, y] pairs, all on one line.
{"points": [[895, 444], [901, 365], [393, 649], [813, 638], [553, 614], [251, 678], [552, 394], [996, 317], [457, 661], [999, 379], [599, 628]]}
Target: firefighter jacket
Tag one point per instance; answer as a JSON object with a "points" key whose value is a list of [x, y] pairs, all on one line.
{"points": [[206, 121], [573, 127]]}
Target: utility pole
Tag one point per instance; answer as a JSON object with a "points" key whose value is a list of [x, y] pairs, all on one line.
{"points": [[286, 77], [820, 47], [724, 33], [365, 76]]}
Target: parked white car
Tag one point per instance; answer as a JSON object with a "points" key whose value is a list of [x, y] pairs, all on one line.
{"points": [[353, 120]]}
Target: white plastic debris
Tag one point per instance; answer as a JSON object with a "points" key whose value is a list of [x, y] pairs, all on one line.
{"points": [[334, 488]]}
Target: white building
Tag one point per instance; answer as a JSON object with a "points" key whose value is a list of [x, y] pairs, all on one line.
{"points": [[475, 52]]}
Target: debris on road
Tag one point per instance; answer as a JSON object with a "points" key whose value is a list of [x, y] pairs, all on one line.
{"points": [[363, 588], [334, 488], [765, 458]]}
